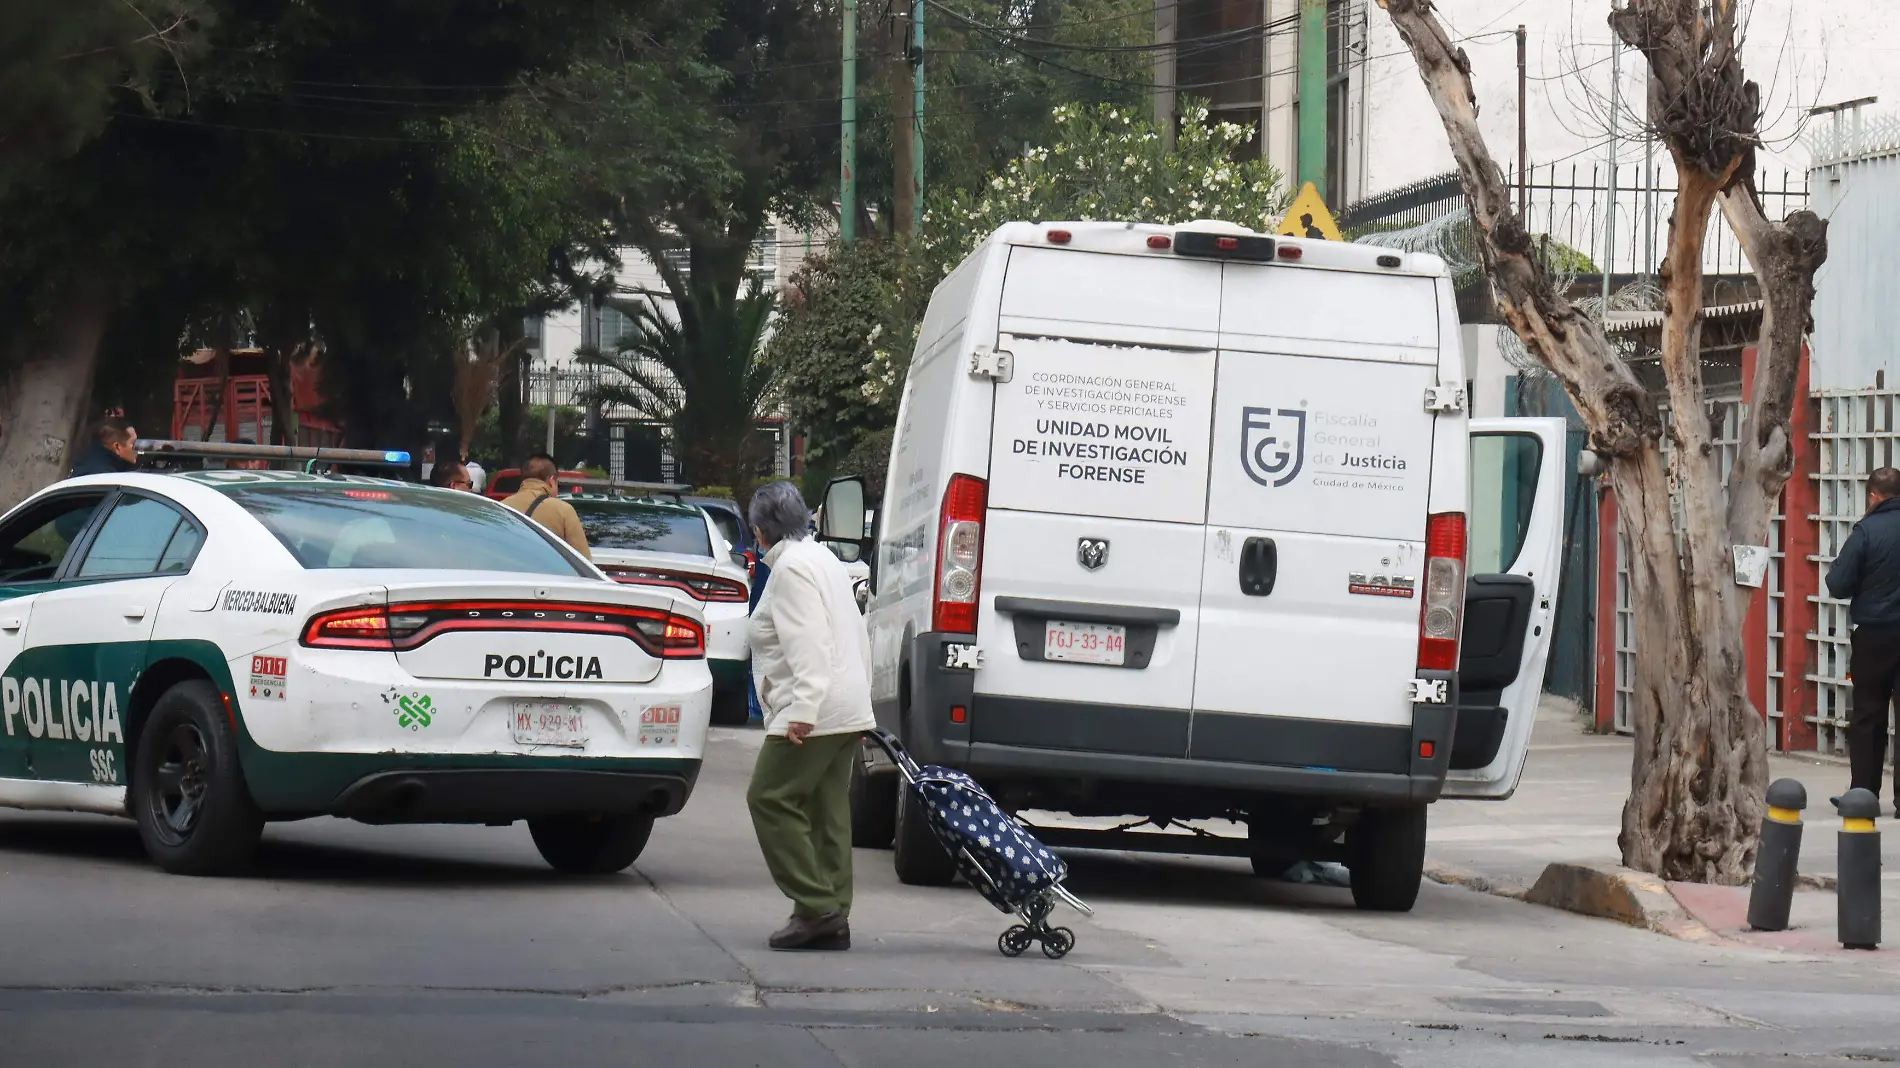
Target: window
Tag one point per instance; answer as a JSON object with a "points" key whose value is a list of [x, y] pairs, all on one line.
{"points": [[383, 525], [33, 547], [182, 551], [1504, 469], [626, 525], [136, 538]]}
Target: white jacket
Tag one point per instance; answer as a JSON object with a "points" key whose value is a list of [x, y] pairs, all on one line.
{"points": [[810, 652]]}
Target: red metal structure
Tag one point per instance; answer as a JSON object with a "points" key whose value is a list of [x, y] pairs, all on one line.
{"points": [[232, 399]]}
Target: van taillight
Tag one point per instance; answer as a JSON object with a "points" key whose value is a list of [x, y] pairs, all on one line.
{"points": [[960, 555], [1439, 617]]}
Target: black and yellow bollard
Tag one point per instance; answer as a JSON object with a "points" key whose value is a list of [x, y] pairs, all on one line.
{"points": [[1778, 857], [1859, 873]]}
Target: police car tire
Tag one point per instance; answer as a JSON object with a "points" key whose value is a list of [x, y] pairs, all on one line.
{"points": [[873, 806], [918, 857], [590, 845], [225, 833], [1386, 856]]}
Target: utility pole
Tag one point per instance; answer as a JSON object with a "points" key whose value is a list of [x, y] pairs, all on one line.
{"points": [[917, 115], [1313, 93], [1649, 182], [848, 134], [1609, 218], [1523, 141]]}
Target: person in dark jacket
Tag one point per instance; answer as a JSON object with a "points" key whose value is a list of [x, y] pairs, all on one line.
{"points": [[1867, 572], [111, 450]]}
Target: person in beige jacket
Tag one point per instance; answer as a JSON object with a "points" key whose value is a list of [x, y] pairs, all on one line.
{"points": [[810, 662], [536, 499]]}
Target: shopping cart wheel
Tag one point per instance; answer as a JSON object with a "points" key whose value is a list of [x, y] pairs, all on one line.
{"points": [[1057, 942], [1015, 941]]}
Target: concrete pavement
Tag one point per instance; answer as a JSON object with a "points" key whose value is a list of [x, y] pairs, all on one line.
{"points": [[371, 946]]}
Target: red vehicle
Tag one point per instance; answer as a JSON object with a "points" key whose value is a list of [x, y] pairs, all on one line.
{"points": [[504, 483]]}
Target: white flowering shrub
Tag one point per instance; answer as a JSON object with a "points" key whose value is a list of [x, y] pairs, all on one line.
{"points": [[1113, 164]]}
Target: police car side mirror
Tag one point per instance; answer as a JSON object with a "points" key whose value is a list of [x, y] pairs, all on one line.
{"points": [[738, 558], [1589, 464]]}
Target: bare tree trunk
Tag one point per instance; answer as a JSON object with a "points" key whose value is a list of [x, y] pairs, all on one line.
{"points": [[47, 396], [1699, 764]]}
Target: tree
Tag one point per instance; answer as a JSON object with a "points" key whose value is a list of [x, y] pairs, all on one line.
{"points": [[1700, 765], [707, 382], [852, 316]]}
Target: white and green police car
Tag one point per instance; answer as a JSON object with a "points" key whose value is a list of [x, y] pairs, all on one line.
{"points": [[207, 651]]}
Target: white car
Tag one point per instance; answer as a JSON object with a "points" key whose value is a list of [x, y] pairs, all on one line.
{"points": [[210, 650], [676, 548]]}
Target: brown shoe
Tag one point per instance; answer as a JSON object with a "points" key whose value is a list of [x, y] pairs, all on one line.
{"points": [[830, 931]]}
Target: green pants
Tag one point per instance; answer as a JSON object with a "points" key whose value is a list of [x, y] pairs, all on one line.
{"points": [[800, 799]]}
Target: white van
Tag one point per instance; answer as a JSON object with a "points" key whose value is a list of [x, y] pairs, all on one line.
{"points": [[1188, 523]]}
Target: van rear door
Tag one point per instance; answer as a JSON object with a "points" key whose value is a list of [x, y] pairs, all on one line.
{"points": [[1317, 503], [1515, 550], [1098, 472]]}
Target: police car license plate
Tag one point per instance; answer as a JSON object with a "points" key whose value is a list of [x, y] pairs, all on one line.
{"points": [[1085, 643], [549, 723]]}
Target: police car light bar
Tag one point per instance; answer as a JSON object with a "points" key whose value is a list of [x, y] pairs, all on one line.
{"points": [[156, 448], [673, 489]]}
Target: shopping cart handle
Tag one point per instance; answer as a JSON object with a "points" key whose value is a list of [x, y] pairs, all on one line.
{"points": [[894, 749]]}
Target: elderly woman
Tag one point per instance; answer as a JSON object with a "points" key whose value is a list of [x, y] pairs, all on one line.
{"points": [[810, 658]]}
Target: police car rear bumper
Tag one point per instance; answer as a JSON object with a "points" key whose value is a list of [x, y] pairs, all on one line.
{"points": [[1017, 738], [483, 795]]}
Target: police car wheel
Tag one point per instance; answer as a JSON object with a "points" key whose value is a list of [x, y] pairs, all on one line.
{"points": [[1385, 853], [590, 845], [917, 855], [194, 812]]}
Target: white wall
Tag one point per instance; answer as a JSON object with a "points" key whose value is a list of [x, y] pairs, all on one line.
{"points": [[1802, 52]]}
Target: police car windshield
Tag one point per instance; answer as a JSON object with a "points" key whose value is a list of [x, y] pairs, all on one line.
{"points": [[614, 524], [368, 524]]}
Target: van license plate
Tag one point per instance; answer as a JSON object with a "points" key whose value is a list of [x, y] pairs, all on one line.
{"points": [[549, 723], [1085, 643]]}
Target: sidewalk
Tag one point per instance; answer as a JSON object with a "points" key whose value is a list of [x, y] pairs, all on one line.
{"points": [[1569, 808]]}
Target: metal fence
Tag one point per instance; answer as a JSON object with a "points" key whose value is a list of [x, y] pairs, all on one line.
{"points": [[1856, 432]]}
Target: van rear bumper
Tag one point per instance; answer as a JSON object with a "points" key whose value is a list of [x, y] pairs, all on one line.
{"points": [[1019, 738]]}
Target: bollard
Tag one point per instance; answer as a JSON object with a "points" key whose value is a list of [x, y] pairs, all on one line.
{"points": [[1776, 859], [1859, 873]]}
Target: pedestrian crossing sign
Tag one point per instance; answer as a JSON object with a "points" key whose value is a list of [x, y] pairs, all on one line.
{"points": [[1308, 217]]}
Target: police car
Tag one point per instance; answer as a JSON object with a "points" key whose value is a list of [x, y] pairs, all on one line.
{"points": [[645, 535], [205, 651]]}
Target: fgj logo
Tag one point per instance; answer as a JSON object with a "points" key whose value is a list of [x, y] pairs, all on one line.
{"points": [[1272, 444]]}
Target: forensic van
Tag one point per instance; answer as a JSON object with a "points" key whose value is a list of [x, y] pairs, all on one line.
{"points": [[1190, 523]]}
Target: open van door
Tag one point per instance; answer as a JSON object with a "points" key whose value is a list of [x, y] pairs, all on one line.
{"points": [[1515, 543]]}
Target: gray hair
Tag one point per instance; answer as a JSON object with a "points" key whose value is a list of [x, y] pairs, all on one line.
{"points": [[778, 511]]}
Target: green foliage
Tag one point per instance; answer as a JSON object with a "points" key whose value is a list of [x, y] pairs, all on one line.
{"points": [[852, 315], [570, 440], [708, 383]]}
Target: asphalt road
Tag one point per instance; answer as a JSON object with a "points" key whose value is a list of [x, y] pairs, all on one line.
{"points": [[363, 946]]}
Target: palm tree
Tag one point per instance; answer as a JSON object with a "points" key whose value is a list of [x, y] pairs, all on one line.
{"points": [[697, 370]]}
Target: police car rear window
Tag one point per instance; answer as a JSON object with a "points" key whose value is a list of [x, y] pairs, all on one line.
{"points": [[624, 525], [366, 524]]}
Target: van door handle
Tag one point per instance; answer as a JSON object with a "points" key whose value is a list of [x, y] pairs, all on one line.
{"points": [[1259, 566], [134, 611], [12, 624]]}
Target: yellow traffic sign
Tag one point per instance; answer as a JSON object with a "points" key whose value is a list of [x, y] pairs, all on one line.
{"points": [[1308, 217]]}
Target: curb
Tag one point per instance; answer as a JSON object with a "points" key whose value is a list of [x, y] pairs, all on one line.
{"points": [[1615, 893], [1446, 875]]}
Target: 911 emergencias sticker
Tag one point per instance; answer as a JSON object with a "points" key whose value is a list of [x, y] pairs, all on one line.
{"points": [[660, 725], [267, 677]]}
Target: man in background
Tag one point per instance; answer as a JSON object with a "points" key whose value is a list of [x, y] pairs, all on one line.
{"points": [[259, 464], [536, 499], [111, 450], [1867, 572]]}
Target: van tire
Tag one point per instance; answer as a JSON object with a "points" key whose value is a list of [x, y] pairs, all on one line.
{"points": [[1385, 853], [590, 845], [873, 806], [187, 792], [920, 860]]}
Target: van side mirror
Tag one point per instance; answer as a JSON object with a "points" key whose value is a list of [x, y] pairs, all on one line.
{"points": [[1589, 464], [842, 516]]}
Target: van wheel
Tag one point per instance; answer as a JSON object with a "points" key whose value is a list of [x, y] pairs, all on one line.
{"points": [[919, 858], [590, 845], [873, 806], [1385, 852], [194, 812]]}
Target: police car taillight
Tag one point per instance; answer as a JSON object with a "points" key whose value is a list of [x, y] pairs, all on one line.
{"points": [[700, 587], [960, 554], [1443, 609], [402, 627]]}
